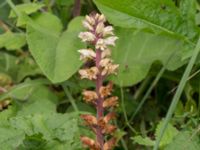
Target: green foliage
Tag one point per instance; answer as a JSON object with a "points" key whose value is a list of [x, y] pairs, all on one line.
{"points": [[168, 136], [12, 41], [61, 131], [136, 51], [27, 8], [183, 141], [51, 49], [158, 15], [43, 94]]}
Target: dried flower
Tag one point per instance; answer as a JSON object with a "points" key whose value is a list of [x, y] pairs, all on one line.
{"points": [[109, 129], [110, 144], [89, 119], [106, 90], [89, 73], [111, 102], [110, 69], [107, 118], [93, 145], [89, 96]]}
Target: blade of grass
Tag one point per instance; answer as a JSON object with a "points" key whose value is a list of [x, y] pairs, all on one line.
{"points": [[12, 5], [159, 75], [178, 93], [71, 99], [142, 88], [153, 84], [124, 111]]}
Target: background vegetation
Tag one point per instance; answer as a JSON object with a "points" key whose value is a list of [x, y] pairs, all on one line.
{"points": [[158, 81]]}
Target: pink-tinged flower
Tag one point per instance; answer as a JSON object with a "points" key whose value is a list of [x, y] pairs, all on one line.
{"points": [[86, 54], [110, 40], [108, 31], [100, 27], [101, 45], [90, 20], [86, 36], [87, 25], [101, 18]]}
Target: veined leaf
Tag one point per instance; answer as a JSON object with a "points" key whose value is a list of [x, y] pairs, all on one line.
{"points": [[55, 53], [136, 51], [158, 15]]}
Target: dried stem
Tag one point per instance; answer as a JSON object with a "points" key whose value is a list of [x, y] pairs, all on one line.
{"points": [[77, 8], [4, 26]]}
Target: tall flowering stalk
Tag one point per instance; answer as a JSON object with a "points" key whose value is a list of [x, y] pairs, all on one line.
{"points": [[97, 56]]}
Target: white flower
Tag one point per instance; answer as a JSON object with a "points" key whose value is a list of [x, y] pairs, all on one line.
{"points": [[96, 17], [86, 54], [101, 18], [86, 36], [108, 31], [100, 28], [110, 40], [90, 20], [100, 44], [87, 25]]}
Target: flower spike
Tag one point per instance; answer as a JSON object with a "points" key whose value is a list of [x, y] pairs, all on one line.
{"points": [[100, 37]]}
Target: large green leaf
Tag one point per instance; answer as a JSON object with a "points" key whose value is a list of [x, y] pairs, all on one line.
{"points": [[136, 51], [158, 15], [55, 53]]}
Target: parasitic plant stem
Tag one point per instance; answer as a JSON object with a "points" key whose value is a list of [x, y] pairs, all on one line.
{"points": [[99, 104]]}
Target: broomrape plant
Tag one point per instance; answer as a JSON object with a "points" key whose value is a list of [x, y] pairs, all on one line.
{"points": [[98, 37]]}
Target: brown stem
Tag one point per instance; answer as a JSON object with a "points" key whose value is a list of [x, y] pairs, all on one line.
{"points": [[99, 106], [4, 26], [77, 8]]}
